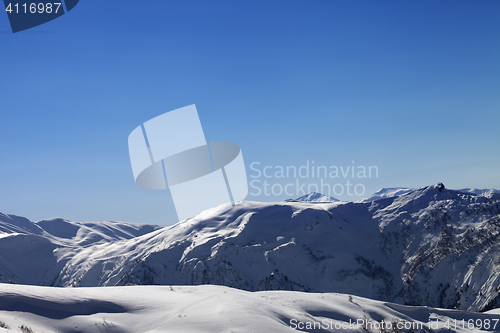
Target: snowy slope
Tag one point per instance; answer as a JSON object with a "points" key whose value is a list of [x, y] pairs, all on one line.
{"points": [[387, 193], [316, 197], [154, 309]]}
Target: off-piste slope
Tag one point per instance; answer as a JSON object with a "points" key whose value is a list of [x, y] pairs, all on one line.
{"points": [[208, 308], [431, 246]]}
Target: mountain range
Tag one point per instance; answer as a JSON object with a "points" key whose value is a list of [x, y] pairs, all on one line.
{"points": [[387, 193], [430, 246]]}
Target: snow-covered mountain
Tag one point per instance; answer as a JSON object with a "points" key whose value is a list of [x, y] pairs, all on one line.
{"points": [[155, 309], [316, 197], [431, 246], [36, 252], [76, 233], [387, 193]]}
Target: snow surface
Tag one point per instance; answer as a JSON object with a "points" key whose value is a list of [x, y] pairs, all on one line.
{"points": [[208, 308]]}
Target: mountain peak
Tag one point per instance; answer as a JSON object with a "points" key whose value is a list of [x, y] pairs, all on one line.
{"points": [[439, 186]]}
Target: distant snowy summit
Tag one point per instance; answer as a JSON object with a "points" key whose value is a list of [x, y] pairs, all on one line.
{"points": [[316, 197], [489, 193], [73, 233]]}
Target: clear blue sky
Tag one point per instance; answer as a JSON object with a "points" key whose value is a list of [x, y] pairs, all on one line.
{"points": [[412, 87]]}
